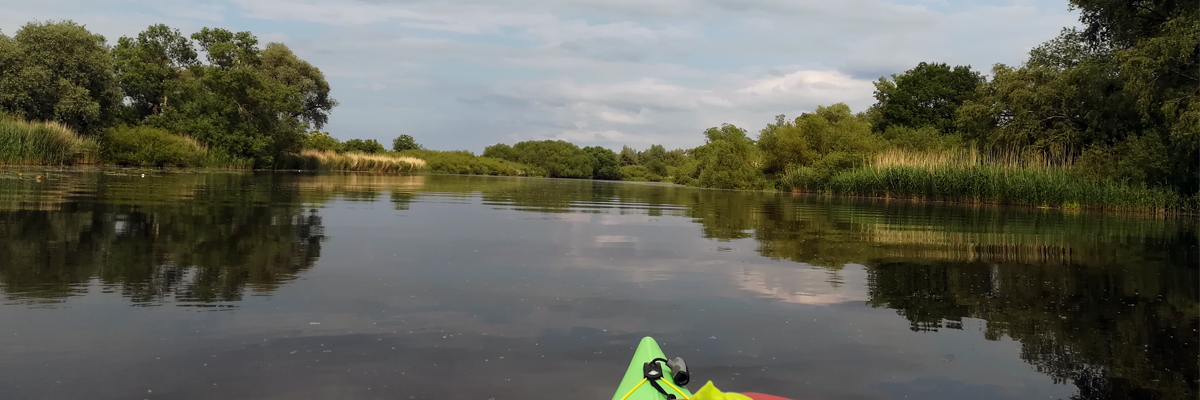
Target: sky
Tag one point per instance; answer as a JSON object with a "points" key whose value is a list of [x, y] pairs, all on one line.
{"points": [[466, 74]]}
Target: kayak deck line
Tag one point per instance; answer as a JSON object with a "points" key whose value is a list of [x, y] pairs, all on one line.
{"points": [[648, 357]]}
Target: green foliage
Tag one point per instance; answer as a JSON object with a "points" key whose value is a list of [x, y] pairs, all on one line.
{"points": [[920, 139], [629, 156], [404, 142], [558, 158], [927, 95], [48, 143], [688, 172], [249, 102], [500, 151], [1125, 86], [58, 71], [281, 65], [814, 135], [815, 177], [674, 158], [149, 68], [729, 160], [369, 146], [466, 163], [149, 147], [640, 173], [605, 164], [321, 141]]}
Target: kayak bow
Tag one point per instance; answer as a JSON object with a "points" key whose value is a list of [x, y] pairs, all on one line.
{"points": [[637, 384]]}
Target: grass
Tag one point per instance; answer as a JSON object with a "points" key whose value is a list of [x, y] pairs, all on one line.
{"points": [[467, 163], [43, 143], [966, 176], [351, 161]]}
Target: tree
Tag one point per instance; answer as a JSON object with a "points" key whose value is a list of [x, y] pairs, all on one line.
{"points": [[605, 164], [560, 159], [405, 142], [501, 151], [629, 156], [728, 160], [149, 68], [655, 159], [813, 136], [58, 71], [251, 103], [280, 64], [927, 95], [1157, 47], [369, 146], [321, 141]]}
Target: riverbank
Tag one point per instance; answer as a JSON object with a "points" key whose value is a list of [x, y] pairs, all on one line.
{"points": [[968, 178], [963, 177]]}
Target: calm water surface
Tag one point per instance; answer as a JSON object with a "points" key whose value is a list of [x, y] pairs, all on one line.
{"points": [[292, 286]]}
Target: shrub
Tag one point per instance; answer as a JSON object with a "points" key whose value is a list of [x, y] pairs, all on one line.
{"points": [[639, 173], [150, 147], [467, 163]]}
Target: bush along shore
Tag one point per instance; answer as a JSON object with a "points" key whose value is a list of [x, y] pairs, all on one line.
{"points": [[1101, 117]]}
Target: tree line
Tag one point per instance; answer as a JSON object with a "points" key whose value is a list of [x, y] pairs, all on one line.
{"points": [[1117, 100], [217, 86]]}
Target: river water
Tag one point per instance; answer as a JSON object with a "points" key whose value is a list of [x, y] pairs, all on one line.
{"points": [[214, 285]]}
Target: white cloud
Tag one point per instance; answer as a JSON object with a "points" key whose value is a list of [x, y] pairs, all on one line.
{"points": [[622, 118], [643, 93]]}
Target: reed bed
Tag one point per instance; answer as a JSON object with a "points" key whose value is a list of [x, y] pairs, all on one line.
{"points": [[1043, 187], [351, 161], [1042, 179], [964, 157], [43, 143]]}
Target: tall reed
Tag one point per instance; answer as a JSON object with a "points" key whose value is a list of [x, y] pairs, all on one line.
{"points": [[1037, 179], [328, 160], [1040, 187], [43, 143]]}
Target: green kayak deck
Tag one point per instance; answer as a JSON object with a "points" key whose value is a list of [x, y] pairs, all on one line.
{"points": [[646, 351]]}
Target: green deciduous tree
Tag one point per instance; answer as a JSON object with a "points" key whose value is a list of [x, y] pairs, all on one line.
{"points": [[150, 67], [728, 160], [605, 164], [814, 135], [927, 95], [369, 146], [250, 102], [1157, 46], [280, 64], [321, 141], [560, 159], [58, 71], [501, 151], [405, 142], [629, 156]]}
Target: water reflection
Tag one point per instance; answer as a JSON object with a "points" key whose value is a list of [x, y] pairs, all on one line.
{"points": [[1106, 304], [188, 239]]}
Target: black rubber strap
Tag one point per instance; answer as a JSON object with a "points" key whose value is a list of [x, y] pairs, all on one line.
{"points": [[660, 390]]}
